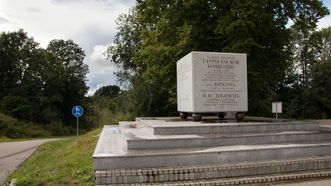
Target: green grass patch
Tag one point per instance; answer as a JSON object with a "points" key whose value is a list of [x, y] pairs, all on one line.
{"points": [[64, 162]]}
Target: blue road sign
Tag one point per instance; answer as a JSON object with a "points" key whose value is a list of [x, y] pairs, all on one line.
{"points": [[77, 111]]}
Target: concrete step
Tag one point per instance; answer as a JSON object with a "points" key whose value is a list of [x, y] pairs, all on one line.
{"points": [[111, 153], [189, 141], [168, 152], [182, 128], [222, 174]]}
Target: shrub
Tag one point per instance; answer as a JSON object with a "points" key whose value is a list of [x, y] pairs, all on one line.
{"points": [[13, 128]]}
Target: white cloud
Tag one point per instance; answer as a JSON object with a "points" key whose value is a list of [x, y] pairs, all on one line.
{"points": [[34, 9], [102, 68], [3, 20], [46, 20], [324, 22], [99, 57]]}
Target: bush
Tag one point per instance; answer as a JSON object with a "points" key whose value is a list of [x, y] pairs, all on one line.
{"points": [[110, 110], [13, 128], [57, 129]]}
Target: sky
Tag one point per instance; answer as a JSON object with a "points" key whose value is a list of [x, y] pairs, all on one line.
{"points": [[89, 23]]}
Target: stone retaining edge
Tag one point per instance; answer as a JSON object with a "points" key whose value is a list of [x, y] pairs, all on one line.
{"points": [[175, 174]]}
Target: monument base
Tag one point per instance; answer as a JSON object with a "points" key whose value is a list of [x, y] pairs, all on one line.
{"points": [[170, 151], [239, 116]]}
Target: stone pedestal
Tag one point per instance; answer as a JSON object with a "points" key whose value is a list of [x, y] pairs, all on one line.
{"points": [[211, 82]]}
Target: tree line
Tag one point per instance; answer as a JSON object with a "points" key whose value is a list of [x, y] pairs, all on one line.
{"points": [[41, 85], [288, 58]]}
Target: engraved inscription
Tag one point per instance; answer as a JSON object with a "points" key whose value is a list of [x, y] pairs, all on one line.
{"points": [[220, 83], [212, 82]]}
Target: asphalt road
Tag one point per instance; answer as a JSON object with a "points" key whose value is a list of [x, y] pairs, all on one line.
{"points": [[13, 154]]}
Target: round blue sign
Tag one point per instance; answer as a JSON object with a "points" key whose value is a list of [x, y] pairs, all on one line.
{"points": [[77, 111]]}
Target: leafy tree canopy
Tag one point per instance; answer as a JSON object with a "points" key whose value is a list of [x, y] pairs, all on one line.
{"points": [[41, 85], [108, 91], [155, 34]]}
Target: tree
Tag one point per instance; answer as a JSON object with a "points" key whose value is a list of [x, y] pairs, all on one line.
{"points": [[126, 44], [107, 91], [21, 66], [41, 85], [168, 30], [317, 94], [321, 43], [17, 53], [67, 57], [319, 102], [311, 51]]}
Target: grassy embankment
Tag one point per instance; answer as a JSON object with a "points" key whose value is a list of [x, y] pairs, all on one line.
{"points": [[65, 162]]}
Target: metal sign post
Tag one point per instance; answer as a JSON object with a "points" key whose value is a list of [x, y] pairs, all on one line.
{"points": [[77, 126], [77, 111]]}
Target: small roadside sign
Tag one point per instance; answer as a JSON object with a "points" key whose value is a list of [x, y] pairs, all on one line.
{"points": [[77, 111], [277, 108]]}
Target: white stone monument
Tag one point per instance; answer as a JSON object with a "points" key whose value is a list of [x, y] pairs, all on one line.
{"points": [[211, 82]]}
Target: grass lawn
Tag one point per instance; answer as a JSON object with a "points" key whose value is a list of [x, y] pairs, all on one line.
{"points": [[64, 162]]}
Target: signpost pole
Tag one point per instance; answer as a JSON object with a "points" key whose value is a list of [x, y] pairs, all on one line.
{"points": [[77, 111], [276, 110], [77, 127]]}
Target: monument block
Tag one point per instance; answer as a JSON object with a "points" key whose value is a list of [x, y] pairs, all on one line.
{"points": [[212, 82]]}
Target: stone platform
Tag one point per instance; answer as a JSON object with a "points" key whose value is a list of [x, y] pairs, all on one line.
{"points": [[170, 151]]}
